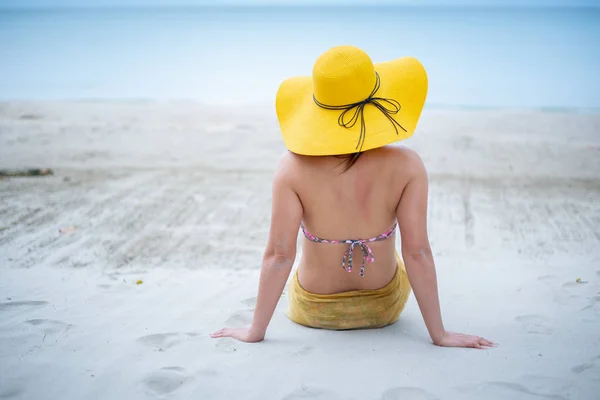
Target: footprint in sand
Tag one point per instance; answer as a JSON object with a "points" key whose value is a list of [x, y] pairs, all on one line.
{"points": [[250, 302], [226, 345], [9, 392], [582, 367], [49, 326], [556, 386], [104, 286], [504, 390], [571, 293], [573, 288], [165, 380], [164, 341], [406, 392], [593, 365], [536, 324], [593, 302], [313, 393], [240, 318], [21, 305]]}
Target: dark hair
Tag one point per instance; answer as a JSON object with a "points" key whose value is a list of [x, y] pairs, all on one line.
{"points": [[350, 159]]}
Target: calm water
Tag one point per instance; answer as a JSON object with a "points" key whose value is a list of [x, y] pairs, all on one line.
{"points": [[474, 57]]}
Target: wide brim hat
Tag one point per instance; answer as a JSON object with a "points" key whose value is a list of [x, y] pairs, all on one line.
{"points": [[381, 103]]}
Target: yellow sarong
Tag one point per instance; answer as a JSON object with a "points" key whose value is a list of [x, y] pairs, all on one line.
{"points": [[353, 309]]}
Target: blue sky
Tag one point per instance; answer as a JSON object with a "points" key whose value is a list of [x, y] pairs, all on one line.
{"points": [[154, 3]]}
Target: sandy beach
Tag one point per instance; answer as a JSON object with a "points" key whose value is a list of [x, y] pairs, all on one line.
{"points": [[165, 211]]}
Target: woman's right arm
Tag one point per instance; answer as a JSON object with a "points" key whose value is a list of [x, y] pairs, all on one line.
{"points": [[418, 258]]}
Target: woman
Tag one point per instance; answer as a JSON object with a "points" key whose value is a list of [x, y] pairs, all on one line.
{"points": [[347, 191]]}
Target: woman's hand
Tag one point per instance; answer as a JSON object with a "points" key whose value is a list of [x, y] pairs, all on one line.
{"points": [[453, 339], [241, 334]]}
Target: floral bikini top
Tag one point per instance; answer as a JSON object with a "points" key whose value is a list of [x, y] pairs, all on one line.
{"points": [[368, 256]]}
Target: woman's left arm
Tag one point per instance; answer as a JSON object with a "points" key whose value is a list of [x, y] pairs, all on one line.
{"points": [[278, 258]]}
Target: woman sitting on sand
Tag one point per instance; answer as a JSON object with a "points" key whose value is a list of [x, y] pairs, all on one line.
{"points": [[347, 191]]}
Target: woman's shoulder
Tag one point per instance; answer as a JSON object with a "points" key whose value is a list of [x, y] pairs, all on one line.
{"points": [[287, 162], [398, 151], [401, 157], [287, 168]]}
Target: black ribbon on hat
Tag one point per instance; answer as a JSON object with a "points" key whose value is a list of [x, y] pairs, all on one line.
{"points": [[388, 107]]}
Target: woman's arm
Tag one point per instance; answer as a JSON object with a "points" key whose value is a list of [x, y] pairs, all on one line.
{"points": [[278, 258], [417, 255]]}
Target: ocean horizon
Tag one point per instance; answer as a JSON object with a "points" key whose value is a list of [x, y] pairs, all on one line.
{"points": [[476, 57]]}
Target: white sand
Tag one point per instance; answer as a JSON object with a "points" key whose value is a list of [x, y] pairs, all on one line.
{"points": [[177, 195]]}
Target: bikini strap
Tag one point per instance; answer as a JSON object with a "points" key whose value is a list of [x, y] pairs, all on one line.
{"points": [[368, 256]]}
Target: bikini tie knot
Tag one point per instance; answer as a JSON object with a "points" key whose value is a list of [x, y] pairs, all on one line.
{"points": [[388, 107], [368, 256]]}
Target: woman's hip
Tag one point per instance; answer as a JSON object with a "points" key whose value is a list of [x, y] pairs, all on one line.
{"points": [[352, 309]]}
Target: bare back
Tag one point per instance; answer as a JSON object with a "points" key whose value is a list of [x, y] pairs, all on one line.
{"points": [[359, 203]]}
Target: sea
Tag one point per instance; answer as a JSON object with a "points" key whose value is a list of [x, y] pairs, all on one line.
{"points": [[476, 57]]}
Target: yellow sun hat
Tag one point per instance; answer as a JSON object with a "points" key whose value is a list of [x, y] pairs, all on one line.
{"points": [[350, 104]]}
